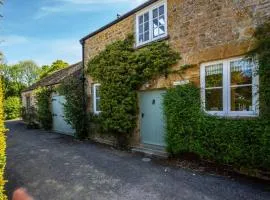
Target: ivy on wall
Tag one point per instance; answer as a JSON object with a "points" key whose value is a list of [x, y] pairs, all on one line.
{"points": [[43, 103], [72, 89], [237, 142], [121, 70]]}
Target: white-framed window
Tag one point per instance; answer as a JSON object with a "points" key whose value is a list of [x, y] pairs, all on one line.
{"points": [[230, 87], [151, 23], [96, 98]]}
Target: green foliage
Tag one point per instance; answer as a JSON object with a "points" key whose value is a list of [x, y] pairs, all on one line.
{"points": [[262, 51], [12, 80], [121, 70], [237, 142], [29, 72], [72, 89], [2, 145], [57, 65], [12, 107], [43, 98]]}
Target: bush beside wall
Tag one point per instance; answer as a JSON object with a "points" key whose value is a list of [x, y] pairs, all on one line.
{"points": [[237, 142], [44, 114], [2, 146], [12, 108]]}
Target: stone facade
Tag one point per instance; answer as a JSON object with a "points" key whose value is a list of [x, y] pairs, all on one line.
{"points": [[200, 30]]}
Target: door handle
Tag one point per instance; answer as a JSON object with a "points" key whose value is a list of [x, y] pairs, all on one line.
{"points": [[142, 115]]}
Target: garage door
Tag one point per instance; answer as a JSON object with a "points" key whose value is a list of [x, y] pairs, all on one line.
{"points": [[59, 123], [151, 120]]}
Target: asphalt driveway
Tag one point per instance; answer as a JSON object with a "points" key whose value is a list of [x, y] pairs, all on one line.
{"points": [[56, 167]]}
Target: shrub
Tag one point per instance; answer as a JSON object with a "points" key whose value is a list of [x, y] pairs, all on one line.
{"points": [[237, 142], [12, 107], [30, 117], [43, 98], [2, 146]]}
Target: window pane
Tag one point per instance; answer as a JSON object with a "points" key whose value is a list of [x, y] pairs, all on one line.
{"points": [[155, 23], [141, 19], [241, 72], [161, 10], [161, 30], [162, 20], [141, 29], [146, 26], [241, 99], [146, 17], [213, 100], [97, 91], [213, 76], [141, 38], [155, 13], [97, 105], [146, 36], [155, 33]]}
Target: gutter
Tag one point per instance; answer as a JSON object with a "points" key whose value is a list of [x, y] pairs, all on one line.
{"points": [[85, 129]]}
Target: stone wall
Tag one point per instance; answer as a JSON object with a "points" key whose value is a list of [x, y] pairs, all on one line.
{"points": [[200, 30]]}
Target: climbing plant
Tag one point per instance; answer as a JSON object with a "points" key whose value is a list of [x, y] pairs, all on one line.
{"points": [[43, 103], [121, 70], [72, 89]]}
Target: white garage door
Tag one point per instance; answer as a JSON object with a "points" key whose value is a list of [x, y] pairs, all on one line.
{"points": [[59, 123]]}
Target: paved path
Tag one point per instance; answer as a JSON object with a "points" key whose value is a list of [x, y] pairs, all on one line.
{"points": [[56, 167]]}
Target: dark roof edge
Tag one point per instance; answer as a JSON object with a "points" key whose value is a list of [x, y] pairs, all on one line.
{"points": [[47, 77], [142, 6]]}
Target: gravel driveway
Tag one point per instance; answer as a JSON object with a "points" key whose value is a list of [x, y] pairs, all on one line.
{"points": [[53, 166]]}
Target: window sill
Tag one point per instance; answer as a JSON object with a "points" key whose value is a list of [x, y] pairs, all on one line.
{"points": [[233, 115], [138, 46]]}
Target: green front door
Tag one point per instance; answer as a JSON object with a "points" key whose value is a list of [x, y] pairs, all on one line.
{"points": [[151, 117]]}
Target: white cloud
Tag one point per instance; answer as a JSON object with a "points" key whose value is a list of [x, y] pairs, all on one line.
{"points": [[80, 6], [43, 51], [11, 40], [102, 2]]}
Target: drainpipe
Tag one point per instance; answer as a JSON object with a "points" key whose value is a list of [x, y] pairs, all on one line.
{"points": [[85, 124]]}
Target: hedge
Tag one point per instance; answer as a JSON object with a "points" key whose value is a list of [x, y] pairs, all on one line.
{"points": [[2, 145], [236, 142], [12, 108]]}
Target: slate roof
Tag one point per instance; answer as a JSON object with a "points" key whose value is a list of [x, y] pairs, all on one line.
{"points": [[57, 77], [142, 6]]}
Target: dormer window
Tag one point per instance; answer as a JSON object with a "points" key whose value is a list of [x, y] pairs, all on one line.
{"points": [[151, 23]]}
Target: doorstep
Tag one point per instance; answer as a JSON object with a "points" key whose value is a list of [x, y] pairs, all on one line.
{"points": [[151, 151]]}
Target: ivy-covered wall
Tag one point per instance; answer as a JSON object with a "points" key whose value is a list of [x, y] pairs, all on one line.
{"points": [[121, 70], [242, 143]]}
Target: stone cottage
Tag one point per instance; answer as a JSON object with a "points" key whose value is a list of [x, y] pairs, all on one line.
{"points": [[213, 36], [52, 80]]}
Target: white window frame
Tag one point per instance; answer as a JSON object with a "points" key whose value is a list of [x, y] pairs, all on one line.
{"points": [[95, 98], [150, 11], [227, 89]]}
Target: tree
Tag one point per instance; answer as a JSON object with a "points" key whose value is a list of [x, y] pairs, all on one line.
{"points": [[57, 65], [29, 72], [19, 76]]}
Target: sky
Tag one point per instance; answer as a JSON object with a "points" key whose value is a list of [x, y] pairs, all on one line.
{"points": [[47, 30]]}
